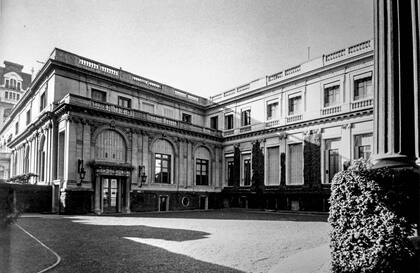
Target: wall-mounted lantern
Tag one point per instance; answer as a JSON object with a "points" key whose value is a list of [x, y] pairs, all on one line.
{"points": [[142, 174], [81, 171]]}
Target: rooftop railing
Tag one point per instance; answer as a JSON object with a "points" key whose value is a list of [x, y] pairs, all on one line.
{"points": [[308, 66], [119, 74]]}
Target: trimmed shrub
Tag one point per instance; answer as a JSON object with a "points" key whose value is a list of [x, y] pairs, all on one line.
{"points": [[370, 225]]}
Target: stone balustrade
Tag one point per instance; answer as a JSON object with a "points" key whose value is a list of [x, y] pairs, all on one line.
{"points": [[294, 118], [115, 109], [361, 104], [331, 110]]}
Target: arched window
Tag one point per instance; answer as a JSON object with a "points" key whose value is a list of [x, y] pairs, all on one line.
{"points": [[163, 154], [41, 159], [26, 160], [110, 146], [202, 166]]}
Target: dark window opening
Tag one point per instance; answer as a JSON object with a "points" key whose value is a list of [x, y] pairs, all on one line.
{"points": [[124, 102], [228, 122], [186, 118], [98, 95], [246, 117], [202, 176], [214, 122]]}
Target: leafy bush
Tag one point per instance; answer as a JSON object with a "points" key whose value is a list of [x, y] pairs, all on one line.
{"points": [[370, 224], [22, 178], [8, 213]]}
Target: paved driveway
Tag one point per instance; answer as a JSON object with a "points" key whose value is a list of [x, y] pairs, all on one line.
{"points": [[210, 241]]}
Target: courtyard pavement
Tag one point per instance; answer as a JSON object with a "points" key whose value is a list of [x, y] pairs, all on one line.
{"points": [[197, 241]]}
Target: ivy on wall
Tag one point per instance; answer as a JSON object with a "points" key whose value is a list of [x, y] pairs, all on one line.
{"points": [[257, 168], [312, 160], [236, 166], [282, 169]]}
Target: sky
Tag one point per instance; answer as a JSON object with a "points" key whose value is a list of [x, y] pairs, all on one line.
{"points": [[200, 46]]}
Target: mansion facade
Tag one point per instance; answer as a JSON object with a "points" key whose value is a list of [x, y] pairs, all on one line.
{"points": [[108, 140]]}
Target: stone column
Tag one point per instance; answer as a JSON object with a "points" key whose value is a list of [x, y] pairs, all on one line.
{"points": [[396, 88], [396, 115]]}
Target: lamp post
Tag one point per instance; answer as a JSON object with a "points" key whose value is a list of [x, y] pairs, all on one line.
{"points": [[142, 175], [81, 171]]}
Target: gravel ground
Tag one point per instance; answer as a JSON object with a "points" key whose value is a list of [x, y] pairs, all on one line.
{"points": [[214, 241]]}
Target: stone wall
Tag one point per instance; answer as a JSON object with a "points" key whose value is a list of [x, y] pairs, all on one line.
{"points": [[29, 198]]}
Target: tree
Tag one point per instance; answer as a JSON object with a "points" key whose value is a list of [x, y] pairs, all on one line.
{"points": [[257, 168]]}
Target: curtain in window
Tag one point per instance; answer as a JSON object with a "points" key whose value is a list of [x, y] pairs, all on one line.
{"points": [[273, 166], [295, 164]]}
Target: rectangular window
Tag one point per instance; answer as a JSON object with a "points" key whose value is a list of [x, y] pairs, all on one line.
{"points": [[295, 164], [331, 95], [16, 128], [363, 88], [162, 168], [246, 175], [214, 122], [124, 102], [98, 95], [332, 158], [229, 122], [229, 172], [18, 86], [28, 117], [273, 166], [7, 83], [363, 146], [17, 96], [6, 95], [202, 176], [43, 101], [186, 118], [295, 105], [272, 110], [246, 117], [148, 107]]}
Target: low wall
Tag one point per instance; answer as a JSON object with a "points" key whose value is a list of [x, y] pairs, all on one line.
{"points": [[29, 198]]}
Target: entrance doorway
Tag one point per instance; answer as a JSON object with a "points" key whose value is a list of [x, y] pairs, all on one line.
{"points": [[163, 203], [203, 202], [111, 194]]}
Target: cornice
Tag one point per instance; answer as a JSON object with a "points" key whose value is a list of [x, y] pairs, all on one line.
{"points": [[302, 124]]}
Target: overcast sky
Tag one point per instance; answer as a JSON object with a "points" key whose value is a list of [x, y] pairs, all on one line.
{"points": [[201, 46]]}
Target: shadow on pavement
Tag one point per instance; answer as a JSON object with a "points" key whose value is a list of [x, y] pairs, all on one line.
{"points": [[91, 248]]}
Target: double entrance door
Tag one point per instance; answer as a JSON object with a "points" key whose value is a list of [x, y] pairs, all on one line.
{"points": [[113, 196]]}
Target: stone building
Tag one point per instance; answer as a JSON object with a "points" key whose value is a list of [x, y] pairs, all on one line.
{"points": [[111, 141], [13, 84]]}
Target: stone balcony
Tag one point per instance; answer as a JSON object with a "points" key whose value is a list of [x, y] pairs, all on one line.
{"points": [[72, 99]]}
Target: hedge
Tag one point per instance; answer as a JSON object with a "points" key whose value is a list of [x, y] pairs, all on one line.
{"points": [[371, 220]]}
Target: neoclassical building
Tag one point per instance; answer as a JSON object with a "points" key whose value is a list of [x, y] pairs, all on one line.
{"points": [[108, 140]]}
